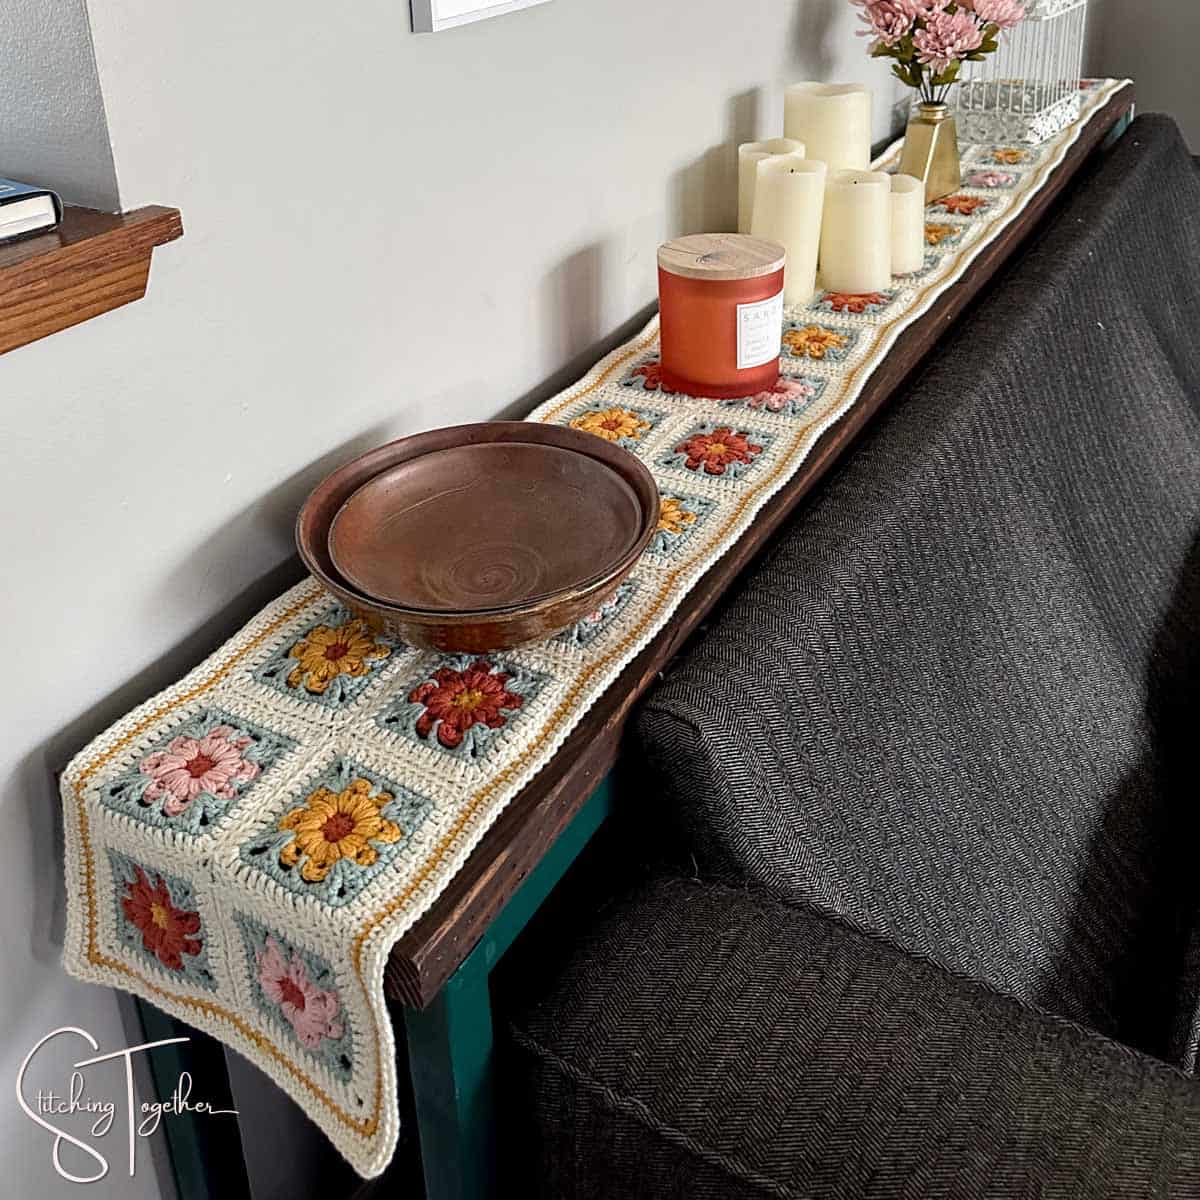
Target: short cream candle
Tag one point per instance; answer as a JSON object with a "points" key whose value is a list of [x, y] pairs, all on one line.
{"points": [[856, 233], [750, 154], [833, 120], [908, 225], [789, 201]]}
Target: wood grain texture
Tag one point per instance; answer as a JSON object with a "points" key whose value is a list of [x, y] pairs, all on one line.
{"points": [[721, 257], [92, 263], [431, 951]]}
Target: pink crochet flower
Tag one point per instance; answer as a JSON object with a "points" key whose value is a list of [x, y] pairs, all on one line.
{"points": [[887, 21], [777, 398], [310, 1010], [1004, 13], [947, 38], [214, 763], [989, 179]]}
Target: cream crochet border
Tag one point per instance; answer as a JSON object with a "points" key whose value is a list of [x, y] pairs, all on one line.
{"points": [[361, 1117]]}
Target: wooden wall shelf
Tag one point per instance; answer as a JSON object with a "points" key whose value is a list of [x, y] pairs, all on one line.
{"points": [[92, 263]]}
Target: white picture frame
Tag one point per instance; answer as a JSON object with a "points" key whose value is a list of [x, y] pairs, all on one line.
{"points": [[432, 16]]}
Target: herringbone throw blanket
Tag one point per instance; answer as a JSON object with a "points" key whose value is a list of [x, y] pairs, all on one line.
{"points": [[958, 705], [245, 849]]}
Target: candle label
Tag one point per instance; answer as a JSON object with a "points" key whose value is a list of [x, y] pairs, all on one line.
{"points": [[760, 332]]}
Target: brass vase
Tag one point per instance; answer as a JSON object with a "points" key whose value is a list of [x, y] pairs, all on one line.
{"points": [[931, 151]]}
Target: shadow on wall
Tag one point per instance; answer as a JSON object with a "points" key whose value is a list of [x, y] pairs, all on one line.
{"points": [[704, 193], [35, 782], [811, 39]]}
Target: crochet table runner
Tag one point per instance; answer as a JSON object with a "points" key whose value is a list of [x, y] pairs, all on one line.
{"points": [[244, 849]]}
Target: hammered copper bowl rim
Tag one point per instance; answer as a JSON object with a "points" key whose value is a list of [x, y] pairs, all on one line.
{"points": [[323, 503]]}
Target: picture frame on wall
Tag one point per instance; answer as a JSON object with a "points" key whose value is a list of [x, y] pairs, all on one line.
{"points": [[432, 16]]}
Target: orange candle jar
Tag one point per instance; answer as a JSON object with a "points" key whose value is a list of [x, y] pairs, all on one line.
{"points": [[721, 312]]}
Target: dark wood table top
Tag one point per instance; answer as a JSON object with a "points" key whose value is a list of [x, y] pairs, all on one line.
{"points": [[432, 950]]}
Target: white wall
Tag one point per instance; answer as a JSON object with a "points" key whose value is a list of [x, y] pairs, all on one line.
{"points": [[52, 126], [385, 233], [1154, 42]]}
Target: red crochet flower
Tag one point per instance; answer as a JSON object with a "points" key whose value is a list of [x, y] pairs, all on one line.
{"points": [[460, 699], [715, 451], [965, 206], [166, 930], [651, 373], [855, 302]]}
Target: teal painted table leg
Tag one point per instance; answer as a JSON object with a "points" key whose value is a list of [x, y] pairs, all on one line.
{"points": [[450, 1043], [1119, 130], [450, 1057], [206, 1152]]}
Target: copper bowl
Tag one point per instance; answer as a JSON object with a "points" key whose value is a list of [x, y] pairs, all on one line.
{"points": [[463, 627]]}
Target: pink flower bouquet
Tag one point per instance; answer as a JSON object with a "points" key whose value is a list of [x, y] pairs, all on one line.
{"points": [[931, 39]]}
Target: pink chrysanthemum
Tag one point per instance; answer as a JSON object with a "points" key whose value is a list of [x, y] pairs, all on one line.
{"points": [[886, 21], [1004, 13], [947, 38]]}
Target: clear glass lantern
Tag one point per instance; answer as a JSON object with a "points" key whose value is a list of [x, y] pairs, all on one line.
{"points": [[1028, 90]]}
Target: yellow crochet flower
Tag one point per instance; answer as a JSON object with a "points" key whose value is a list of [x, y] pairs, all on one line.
{"points": [[336, 825], [936, 234], [612, 424], [1008, 157], [325, 653], [672, 516], [814, 341]]}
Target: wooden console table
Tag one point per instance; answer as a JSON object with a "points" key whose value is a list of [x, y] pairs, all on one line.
{"points": [[439, 971]]}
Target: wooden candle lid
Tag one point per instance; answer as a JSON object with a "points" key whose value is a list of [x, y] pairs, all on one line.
{"points": [[721, 256]]}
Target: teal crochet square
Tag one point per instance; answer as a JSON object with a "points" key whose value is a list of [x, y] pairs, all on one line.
{"points": [[791, 396], [645, 375], [718, 451], [337, 833], [197, 773], [992, 178], [330, 662], [464, 706], [680, 517], [864, 304], [584, 632], [812, 342], [624, 424], [158, 919], [296, 990]]}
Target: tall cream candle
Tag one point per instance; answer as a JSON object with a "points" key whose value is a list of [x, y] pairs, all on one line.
{"points": [[749, 156], [789, 199], [833, 120], [856, 233], [908, 224]]}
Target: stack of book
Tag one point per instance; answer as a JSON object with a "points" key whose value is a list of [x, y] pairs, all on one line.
{"points": [[26, 209]]}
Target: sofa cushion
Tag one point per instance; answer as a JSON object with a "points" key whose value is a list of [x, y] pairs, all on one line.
{"points": [[705, 1042]]}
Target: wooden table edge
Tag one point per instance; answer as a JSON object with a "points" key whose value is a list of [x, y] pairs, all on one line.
{"points": [[422, 961]]}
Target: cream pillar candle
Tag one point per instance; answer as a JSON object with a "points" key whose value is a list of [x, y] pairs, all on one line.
{"points": [[749, 156], [856, 233], [908, 224], [833, 120], [789, 199]]}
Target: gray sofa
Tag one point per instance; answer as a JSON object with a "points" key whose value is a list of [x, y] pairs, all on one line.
{"points": [[926, 917]]}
